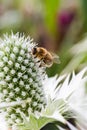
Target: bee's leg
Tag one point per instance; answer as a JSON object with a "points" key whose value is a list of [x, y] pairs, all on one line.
{"points": [[35, 56], [42, 64], [40, 60]]}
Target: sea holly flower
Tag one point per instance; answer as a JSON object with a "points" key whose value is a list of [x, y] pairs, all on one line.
{"points": [[28, 98], [66, 100], [21, 78]]}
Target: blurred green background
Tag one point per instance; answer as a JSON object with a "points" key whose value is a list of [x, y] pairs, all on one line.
{"points": [[58, 25]]}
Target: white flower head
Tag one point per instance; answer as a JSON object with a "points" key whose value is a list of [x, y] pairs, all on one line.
{"points": [[17, 82]]}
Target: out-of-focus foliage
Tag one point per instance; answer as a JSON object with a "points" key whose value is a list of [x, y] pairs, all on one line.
{"points": [[73, 51], [84, 9], [56, 25], [79, 57], [51, 9]]}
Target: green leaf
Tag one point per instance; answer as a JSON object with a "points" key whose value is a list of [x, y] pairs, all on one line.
{"points": [[42, 121], [48, 115], [31, 124], [35, 123]]}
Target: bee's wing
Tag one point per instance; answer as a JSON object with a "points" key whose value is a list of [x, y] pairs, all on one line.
{"points": [[55, 58]]}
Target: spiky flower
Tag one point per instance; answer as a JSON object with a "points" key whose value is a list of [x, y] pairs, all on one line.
{"points": [[21, 78], [28, 99]]}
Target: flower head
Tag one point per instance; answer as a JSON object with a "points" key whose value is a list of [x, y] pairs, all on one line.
{"points": [[21, 78], [27, 100]]}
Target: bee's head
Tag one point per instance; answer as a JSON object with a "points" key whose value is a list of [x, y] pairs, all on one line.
{"points": [[34, 51]]}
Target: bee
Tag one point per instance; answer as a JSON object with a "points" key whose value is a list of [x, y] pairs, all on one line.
{"points": [[45, 57]]}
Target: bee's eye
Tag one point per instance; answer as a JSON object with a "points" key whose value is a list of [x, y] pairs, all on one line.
{"points": [[34, 50]]}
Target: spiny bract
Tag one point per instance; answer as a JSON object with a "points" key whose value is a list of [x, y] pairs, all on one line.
{"points": [[21, 78]]}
